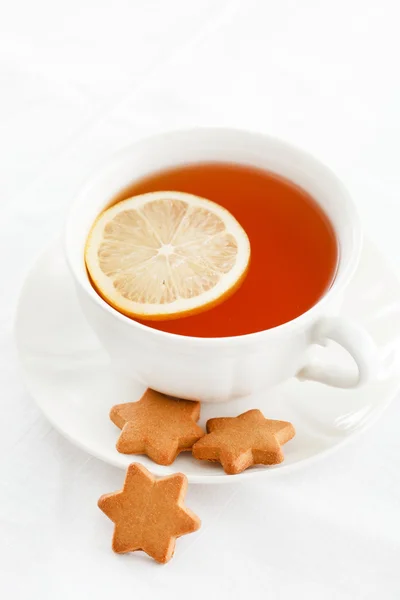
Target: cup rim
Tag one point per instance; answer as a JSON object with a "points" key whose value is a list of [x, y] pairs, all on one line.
{"points": [[340, 280]]}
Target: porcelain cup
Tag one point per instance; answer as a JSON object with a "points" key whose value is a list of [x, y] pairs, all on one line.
{"points": [[221, 369]]}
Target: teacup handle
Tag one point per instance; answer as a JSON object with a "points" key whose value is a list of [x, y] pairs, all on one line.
{"points": [[356, 341]]}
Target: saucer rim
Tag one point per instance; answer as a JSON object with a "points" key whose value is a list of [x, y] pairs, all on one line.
{"points": [[158, 470]]}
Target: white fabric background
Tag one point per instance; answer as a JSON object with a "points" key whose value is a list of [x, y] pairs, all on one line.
{"points": [[78, 80]]}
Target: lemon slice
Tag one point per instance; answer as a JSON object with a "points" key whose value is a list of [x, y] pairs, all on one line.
{"points": [[163, 255]]}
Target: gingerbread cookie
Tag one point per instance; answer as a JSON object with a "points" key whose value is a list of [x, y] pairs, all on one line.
{"points": [[157, 425], [240, 442], [149, 513]]}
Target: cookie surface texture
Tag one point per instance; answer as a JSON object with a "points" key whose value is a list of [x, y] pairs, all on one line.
{"points": [[240, 442], [149, 514], [157, 425]]}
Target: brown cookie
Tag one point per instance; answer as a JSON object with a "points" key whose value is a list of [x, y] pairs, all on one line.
{"points": [[240, 442], [149, 513], [157, 425]]}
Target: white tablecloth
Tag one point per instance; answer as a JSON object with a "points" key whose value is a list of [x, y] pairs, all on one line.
{"points": [[78, 80]]}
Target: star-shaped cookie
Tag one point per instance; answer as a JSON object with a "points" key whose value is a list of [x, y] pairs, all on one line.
{"points": [[157, 425], [149, 514], [240, 442]]}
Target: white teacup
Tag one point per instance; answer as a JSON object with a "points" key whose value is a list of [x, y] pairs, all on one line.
{"points": [[219, 369]]}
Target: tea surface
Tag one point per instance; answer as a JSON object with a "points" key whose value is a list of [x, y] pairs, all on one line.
{"points": [[294, 251]]}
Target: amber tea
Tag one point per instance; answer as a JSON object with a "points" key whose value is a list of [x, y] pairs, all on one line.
{"points": [[294, 250]]}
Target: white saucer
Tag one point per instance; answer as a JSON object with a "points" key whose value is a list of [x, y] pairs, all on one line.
{"points": [[68, 374]]}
